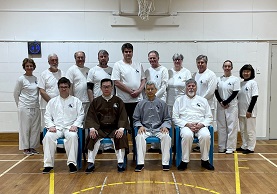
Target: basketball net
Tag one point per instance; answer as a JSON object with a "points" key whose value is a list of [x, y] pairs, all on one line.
{"points": [[145, 7]]}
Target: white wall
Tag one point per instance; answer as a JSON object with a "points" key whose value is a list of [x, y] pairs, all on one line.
{"points": [[235, 30]]}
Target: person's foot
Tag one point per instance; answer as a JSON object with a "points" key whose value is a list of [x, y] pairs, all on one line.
{"points": [[154, 150], [183, 166], [221, 150], [165, 167], [47, 170], [196, 149], [72, 168], [247, 151], [139, 168], [90, 168], [120, 167], [240, 149], [207, 165], [27, 152], [229, 151], [34, 151]]}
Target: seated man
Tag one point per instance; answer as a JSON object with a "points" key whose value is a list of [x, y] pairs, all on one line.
{"points": [[107, 117], [152, 118], [64, 114], [193, 115]]}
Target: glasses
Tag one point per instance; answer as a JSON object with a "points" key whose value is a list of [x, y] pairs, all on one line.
{"points": [[177, 60], [106, 87]]}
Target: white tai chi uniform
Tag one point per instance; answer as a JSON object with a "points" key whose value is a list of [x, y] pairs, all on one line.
{"points": [[26, 98], [247, 125], [49, 82], [62, 114], [158, 75], [206, 85], [193, 110], [78, 79], [152, 115], [176, 85], [227, 119]]}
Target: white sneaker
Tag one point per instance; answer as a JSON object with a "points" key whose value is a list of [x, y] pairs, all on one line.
{"points": [[229, 151]]}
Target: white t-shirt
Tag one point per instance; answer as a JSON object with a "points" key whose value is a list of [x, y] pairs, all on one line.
{"points": [[206, 85], [131, 76], [226, 86], [78, 79], [158, 75], [176, 84], [95, 75], [248, 90], [49, 82], [26, 92]]}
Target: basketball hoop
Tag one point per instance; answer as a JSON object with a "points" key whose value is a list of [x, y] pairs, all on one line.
{"points": [[145, 7]]}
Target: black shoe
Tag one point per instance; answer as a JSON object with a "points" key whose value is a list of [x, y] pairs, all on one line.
{"points": [[207, 165], [120, 167], [40, 138], [154, 150], [139, 168], [247, 151], [72, 168], [183, 166], [165, 167], [99, 152], [47, 170], [90, 168], [60, 150], [240, 149], [196, 149], [110, 150]]}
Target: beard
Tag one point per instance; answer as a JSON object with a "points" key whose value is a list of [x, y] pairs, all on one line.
{"points": [[191, 94]]}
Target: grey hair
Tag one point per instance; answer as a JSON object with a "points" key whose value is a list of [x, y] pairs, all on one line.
{"points": [[104, 52], [75, 54], [150, 82], [204, 57], [156, 53], [178, 56], [52, 55], [191, 81]]}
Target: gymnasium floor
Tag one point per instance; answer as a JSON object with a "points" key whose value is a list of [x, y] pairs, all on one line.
{"points": [[234, 173]]}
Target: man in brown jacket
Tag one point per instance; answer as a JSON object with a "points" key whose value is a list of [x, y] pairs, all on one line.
{"points": [[107, 117]]}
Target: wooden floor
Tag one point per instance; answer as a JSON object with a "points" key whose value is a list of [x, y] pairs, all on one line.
{"points": [[234, 173]]}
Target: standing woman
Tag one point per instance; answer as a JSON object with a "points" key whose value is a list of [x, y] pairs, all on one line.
{"points": [[226, 93], [247, 98], [178, 75], [26, 98]]}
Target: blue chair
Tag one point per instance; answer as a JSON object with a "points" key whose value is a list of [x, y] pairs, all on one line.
{"points": [[80, 145], [179, 146], [152, 139]]}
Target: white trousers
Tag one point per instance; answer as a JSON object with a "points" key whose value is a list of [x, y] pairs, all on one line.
{"points": [[70, 144], [248, 132], [165, 146], [227, 127], [29, 127], [187, 137], [42, 111], [92, 153]]}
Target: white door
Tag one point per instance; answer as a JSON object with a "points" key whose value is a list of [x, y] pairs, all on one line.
{"points": [[273, 95]]}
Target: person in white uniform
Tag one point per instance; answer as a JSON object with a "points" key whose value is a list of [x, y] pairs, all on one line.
{"points": [[95, 75], [64, 114], [129, 79], [247, 98], [227, 109], [27, 101], [193, 115], [177, 79], [77, 74], [206, 85], [152, 118], [47, 83]]}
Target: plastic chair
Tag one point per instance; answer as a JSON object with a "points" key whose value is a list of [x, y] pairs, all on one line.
{"points": [[195, 140], [152, 139], [80, 145]]}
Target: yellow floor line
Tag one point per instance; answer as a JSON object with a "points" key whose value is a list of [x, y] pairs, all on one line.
{"points": [[51, 184], [238, 191]]}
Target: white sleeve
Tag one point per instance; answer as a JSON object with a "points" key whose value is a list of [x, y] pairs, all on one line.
{"points": [[116, 72], [17, 91]]}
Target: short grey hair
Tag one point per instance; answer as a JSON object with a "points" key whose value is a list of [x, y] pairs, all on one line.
{"points": [[104, 52], [156, 53], [204, 57], [178, 56], [52, 55], [150, 82], [190, 81]]}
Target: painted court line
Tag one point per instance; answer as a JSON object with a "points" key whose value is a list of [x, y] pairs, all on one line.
{"points": [[268, 160], [13, 166], [52, 182], [104, 183], [238, 191], [175, 183]]}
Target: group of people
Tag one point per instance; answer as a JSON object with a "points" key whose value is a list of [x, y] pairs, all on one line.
{"points": [[110, 101]]}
